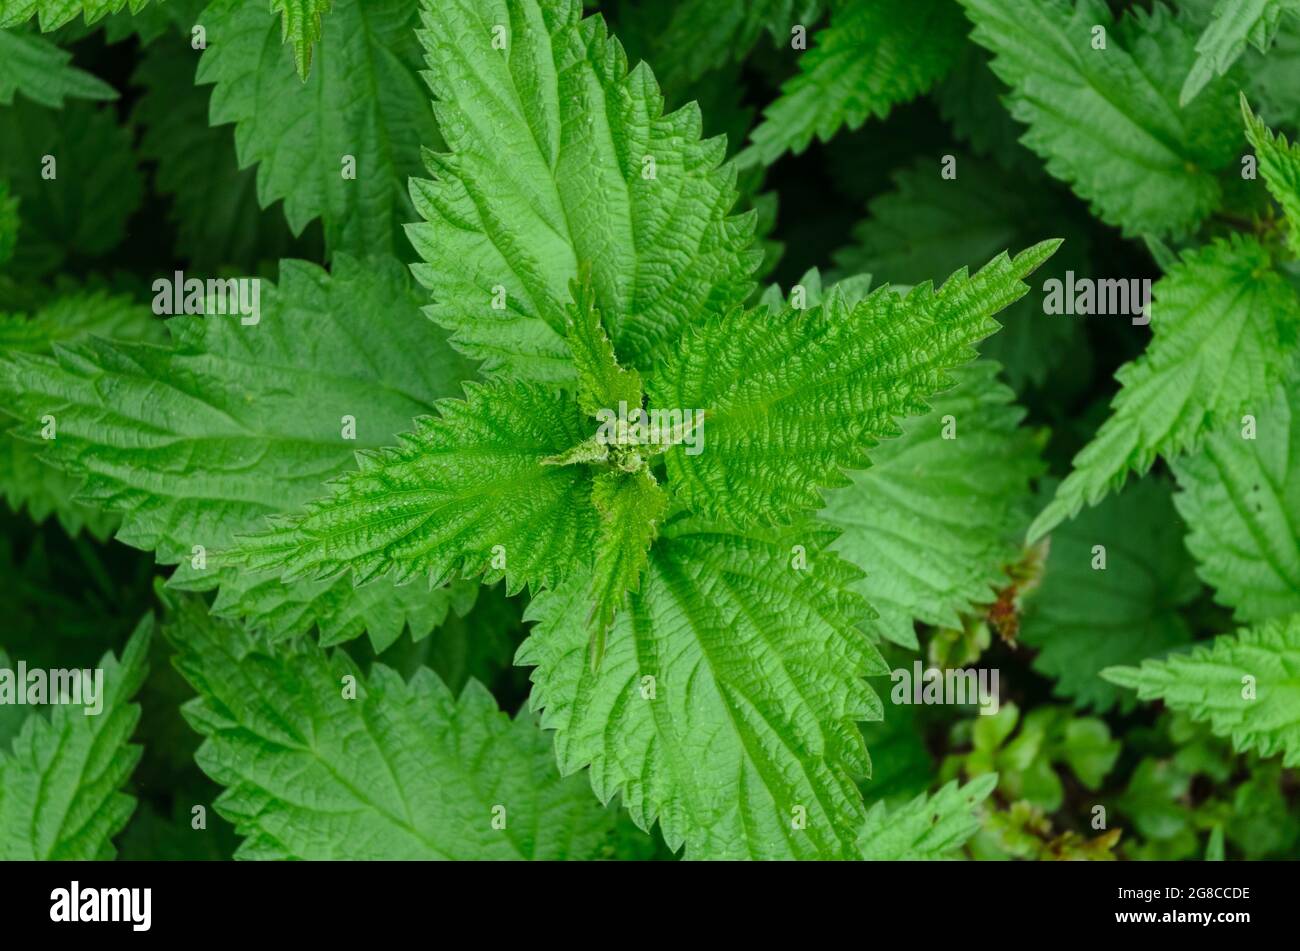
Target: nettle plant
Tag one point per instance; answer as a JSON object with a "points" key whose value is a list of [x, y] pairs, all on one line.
{"points": [[574, 432]]}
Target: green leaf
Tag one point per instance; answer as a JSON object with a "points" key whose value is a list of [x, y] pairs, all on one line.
{"points": [[465, 493], [1083, 618], [56, 604], [302, 27], [42, 72], [478, 644], [397, 770], [726, 700], [337, 609], [703, 35], [970, 100], [53, 14], [793, 399], [12, 716], [927, 828], [602, 383], [74, 316], [60, 783], [870, 58], [928, 227], [940, 514], [363, 102], [1246, 685], [1107, 121], [197, 442], [32, 487], [1270, 80], [1234, 23], [631, 506], [82, 210], [8, 223], [25, 481], [157, 836], [1023, 764], [502, 240], [1214, 848], [1049, 736], [1279, 162], [215, 210], [154, 21], [1155, 801], [1224, 334], [1241, 498], [1085, 745], [851, 289], [901, 764], [1262, 822]]}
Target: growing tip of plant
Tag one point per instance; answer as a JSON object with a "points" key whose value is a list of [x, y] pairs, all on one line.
{"points": [[1247, 113], [1050, 246]]}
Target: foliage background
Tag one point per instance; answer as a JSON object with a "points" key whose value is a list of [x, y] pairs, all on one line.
{"points": [[69, 593]]}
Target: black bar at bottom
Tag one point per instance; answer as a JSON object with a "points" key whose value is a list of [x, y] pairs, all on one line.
{"points": [[337, 900]]}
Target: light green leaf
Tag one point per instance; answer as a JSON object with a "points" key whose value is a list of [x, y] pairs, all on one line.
{"points": [[1234, 23], [927, 828], [726, 701], [1107, 121], [302, 27], [937, 518], [1279, 163], [1214, 848], [1224, 334], [1241, 498], [55, 13], [362, 105], [1083, 618], [602, 383], [337, 609], [1246, 685], [851, 289], [870, 58], [1086, 746], [25, 481], [196, 443], [466, 493], [793, 399], [566, 159], [42, 72], [631, 506], [75, 315], [60, 783], [1026, 764], [399, 770]]}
